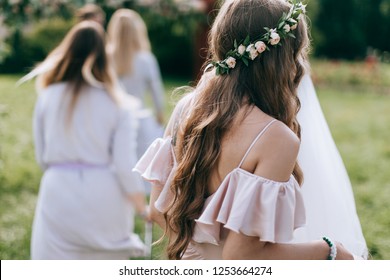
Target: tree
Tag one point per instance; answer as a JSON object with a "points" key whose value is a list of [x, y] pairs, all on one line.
{"points": [[340, 29], [376, 15], [15, 53], [17, 14]]}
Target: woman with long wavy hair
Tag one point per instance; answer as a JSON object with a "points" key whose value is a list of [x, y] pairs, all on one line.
{"points": [[226, 178], [85, 142]]}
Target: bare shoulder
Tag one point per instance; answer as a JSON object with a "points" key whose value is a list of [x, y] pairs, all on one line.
{"points": [[280, 137], [278, 151]]}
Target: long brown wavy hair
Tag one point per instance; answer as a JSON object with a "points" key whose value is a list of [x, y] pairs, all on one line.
{"points": [[270, 82], [80, 59]]}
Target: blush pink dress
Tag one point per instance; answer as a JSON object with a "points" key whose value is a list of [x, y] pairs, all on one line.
{"points": [[244, 203]]}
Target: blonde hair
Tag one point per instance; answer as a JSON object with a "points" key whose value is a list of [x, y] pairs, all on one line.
{"points": [[91, 12], [127, 35], [80, 59], [269, 83]]}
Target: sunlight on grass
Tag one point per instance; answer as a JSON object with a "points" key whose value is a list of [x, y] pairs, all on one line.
{"points": [[359, 122]]}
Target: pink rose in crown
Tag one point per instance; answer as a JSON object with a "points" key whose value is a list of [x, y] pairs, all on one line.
{"points": [[241, 49], [274, 37], [260, 46], [231, 62], [252, 51]]}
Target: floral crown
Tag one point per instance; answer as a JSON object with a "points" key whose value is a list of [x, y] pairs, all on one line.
{"points": [[249, 49]]}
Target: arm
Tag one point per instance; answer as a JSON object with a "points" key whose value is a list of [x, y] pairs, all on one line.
{"points": [[278, 149], [38, 131], [156, 215], [239, 246]]}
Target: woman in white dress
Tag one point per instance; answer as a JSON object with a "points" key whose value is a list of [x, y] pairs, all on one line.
{"points": [[85, 143], [138, 71], [327, 190]]}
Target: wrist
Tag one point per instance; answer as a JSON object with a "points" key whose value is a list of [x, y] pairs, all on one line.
{"points": [[144, 214], [332, 248]]}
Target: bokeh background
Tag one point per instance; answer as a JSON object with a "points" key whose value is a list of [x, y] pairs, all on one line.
{"points": [[350, 68]]}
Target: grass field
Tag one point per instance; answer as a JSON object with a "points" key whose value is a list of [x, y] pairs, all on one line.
{"points": [[356, 108]]}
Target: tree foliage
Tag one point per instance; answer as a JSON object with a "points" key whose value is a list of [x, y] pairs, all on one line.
{"points": [[341, 29], [347, 28], [171, 29]]}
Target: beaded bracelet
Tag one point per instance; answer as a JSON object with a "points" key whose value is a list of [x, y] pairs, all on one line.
{"points": [[332, 247]]}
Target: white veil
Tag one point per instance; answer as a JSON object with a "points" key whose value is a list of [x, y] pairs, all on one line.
{"points": [[327, 191]]}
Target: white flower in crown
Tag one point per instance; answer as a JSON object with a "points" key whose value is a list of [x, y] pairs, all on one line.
{"points": [[241, 49], [274, 37], [293, 22], [260, 46], [231, 62], [303, 8], [252, 51]]}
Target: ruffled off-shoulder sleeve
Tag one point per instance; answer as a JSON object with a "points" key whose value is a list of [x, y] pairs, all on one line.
{"points": [[244, 203], [254, 206], [157, 162], [157, 166]]}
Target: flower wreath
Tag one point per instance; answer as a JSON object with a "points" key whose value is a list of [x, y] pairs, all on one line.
{"points": [[248, 49]]}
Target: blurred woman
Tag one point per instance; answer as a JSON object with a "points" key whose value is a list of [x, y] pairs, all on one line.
{"points": [[85, 142], [138, 70], [91, 12]]}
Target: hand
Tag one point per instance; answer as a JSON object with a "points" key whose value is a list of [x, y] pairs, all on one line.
{"points": [[145, 215], [342, 253], [160, 118]]}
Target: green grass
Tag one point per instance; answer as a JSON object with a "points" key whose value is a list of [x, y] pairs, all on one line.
{"points": [[359, 122], [357, 113], [352, 75], [19, 175]]}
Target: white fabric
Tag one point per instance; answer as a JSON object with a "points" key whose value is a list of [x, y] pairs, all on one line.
{"points": [[82, 210], [327, 191], [244, 202], [149, 130], [146, 78]]}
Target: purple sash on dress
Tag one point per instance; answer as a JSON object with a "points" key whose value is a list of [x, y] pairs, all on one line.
{"points": [[77, 165]]}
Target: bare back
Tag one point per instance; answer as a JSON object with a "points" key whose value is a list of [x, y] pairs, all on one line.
{"points": [[257, 158], [246, 127], [273, 155]]}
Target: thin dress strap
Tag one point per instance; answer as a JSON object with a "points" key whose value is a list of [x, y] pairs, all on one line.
{"points": [[254, 141]]}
